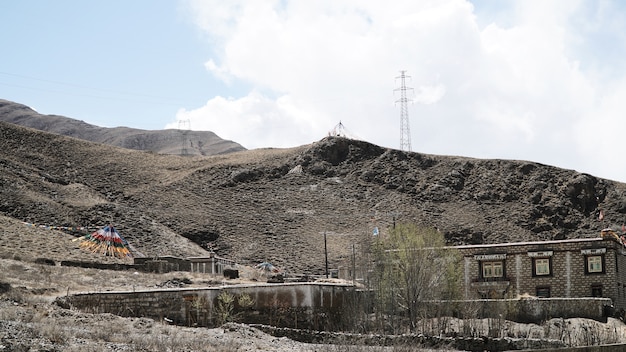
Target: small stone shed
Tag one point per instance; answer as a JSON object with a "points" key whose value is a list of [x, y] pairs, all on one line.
{"points": [[211, 264]]}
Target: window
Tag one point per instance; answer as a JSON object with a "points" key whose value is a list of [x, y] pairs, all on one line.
{"points": [[543, 292], [596, 290], [595, 260], [594, 264], [493, 269], [541, 267]]}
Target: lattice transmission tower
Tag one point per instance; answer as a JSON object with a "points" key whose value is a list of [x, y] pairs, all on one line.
{"points": [[184, 126], [405, 130]]}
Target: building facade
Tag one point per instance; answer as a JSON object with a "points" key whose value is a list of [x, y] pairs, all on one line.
{"points": [[575, 268]]}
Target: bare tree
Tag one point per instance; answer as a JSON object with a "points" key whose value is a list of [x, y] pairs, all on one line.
{"points": [[413, 271]]}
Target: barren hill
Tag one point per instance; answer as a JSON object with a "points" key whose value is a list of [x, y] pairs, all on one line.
{"points": [[177, 142], [276, 204]]}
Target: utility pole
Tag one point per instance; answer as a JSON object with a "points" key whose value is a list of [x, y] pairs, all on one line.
{"points": [[405, 131], [353, 266], [326, 254]]}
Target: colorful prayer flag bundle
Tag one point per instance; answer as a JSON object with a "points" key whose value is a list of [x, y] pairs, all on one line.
{"points": [[106, 241]]}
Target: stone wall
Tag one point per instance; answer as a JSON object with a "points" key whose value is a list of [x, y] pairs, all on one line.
{"points": [[525, 310], [602, 348], [318, 306], [95, 265], [304, 305], [477, 344]]}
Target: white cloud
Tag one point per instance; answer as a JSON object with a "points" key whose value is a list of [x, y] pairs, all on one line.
{"points": [[523, 88], [599, 135], [430, 94], [273, 122]]}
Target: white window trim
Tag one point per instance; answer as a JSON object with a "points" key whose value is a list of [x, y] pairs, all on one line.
{"points": [[597, 259], [492, 265], [546, 265]]}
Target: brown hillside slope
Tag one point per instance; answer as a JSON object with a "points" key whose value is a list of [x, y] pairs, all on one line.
{"points": [[177, 142], [274, 205]]}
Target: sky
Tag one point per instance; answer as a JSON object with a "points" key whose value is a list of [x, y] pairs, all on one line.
{"points": [[536, 80]]}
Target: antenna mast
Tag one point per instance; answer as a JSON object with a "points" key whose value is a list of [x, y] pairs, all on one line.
{"points": [[405, 131]]}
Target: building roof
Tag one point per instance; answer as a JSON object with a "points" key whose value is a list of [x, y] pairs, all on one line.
{"points": [[510, 244]]}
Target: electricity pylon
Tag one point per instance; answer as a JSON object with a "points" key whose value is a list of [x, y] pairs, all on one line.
{"points": [[405, 130]]}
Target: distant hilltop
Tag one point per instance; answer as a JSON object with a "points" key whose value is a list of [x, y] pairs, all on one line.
{"points": [[171, 141]]}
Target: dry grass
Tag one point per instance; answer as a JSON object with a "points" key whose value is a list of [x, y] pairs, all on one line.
{"points": [[52, 281], [29, 242], [28, 319]]}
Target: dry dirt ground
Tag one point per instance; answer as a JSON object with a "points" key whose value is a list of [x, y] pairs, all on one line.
{"points": [[29, 321], [254, 206]]}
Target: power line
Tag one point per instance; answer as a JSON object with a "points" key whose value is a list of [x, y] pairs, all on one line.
{"points": [[129, 96]]}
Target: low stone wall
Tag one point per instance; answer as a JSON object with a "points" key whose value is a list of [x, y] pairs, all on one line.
{"points": [[477, 344], [101, 266], [317, 306], [602, 348], [306, 305], [525, 310]]}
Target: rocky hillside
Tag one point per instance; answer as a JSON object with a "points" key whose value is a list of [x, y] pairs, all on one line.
{"points": [[276, 204], [177, 142]]}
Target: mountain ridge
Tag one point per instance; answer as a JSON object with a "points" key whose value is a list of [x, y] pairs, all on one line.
{"points": [[169, 141], [277, 205]]}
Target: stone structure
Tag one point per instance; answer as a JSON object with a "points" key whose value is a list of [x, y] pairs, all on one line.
{"points": [[540, 279], [523, 309], [211, 264], [576, 268], [303, 305]]}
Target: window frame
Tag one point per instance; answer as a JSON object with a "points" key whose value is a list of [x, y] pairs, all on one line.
{"points": [[536, 273], [601, 261], [492, 264]]}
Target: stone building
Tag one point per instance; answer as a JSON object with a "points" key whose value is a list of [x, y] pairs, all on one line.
{"points": [[575, 268], [211, 264]]}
